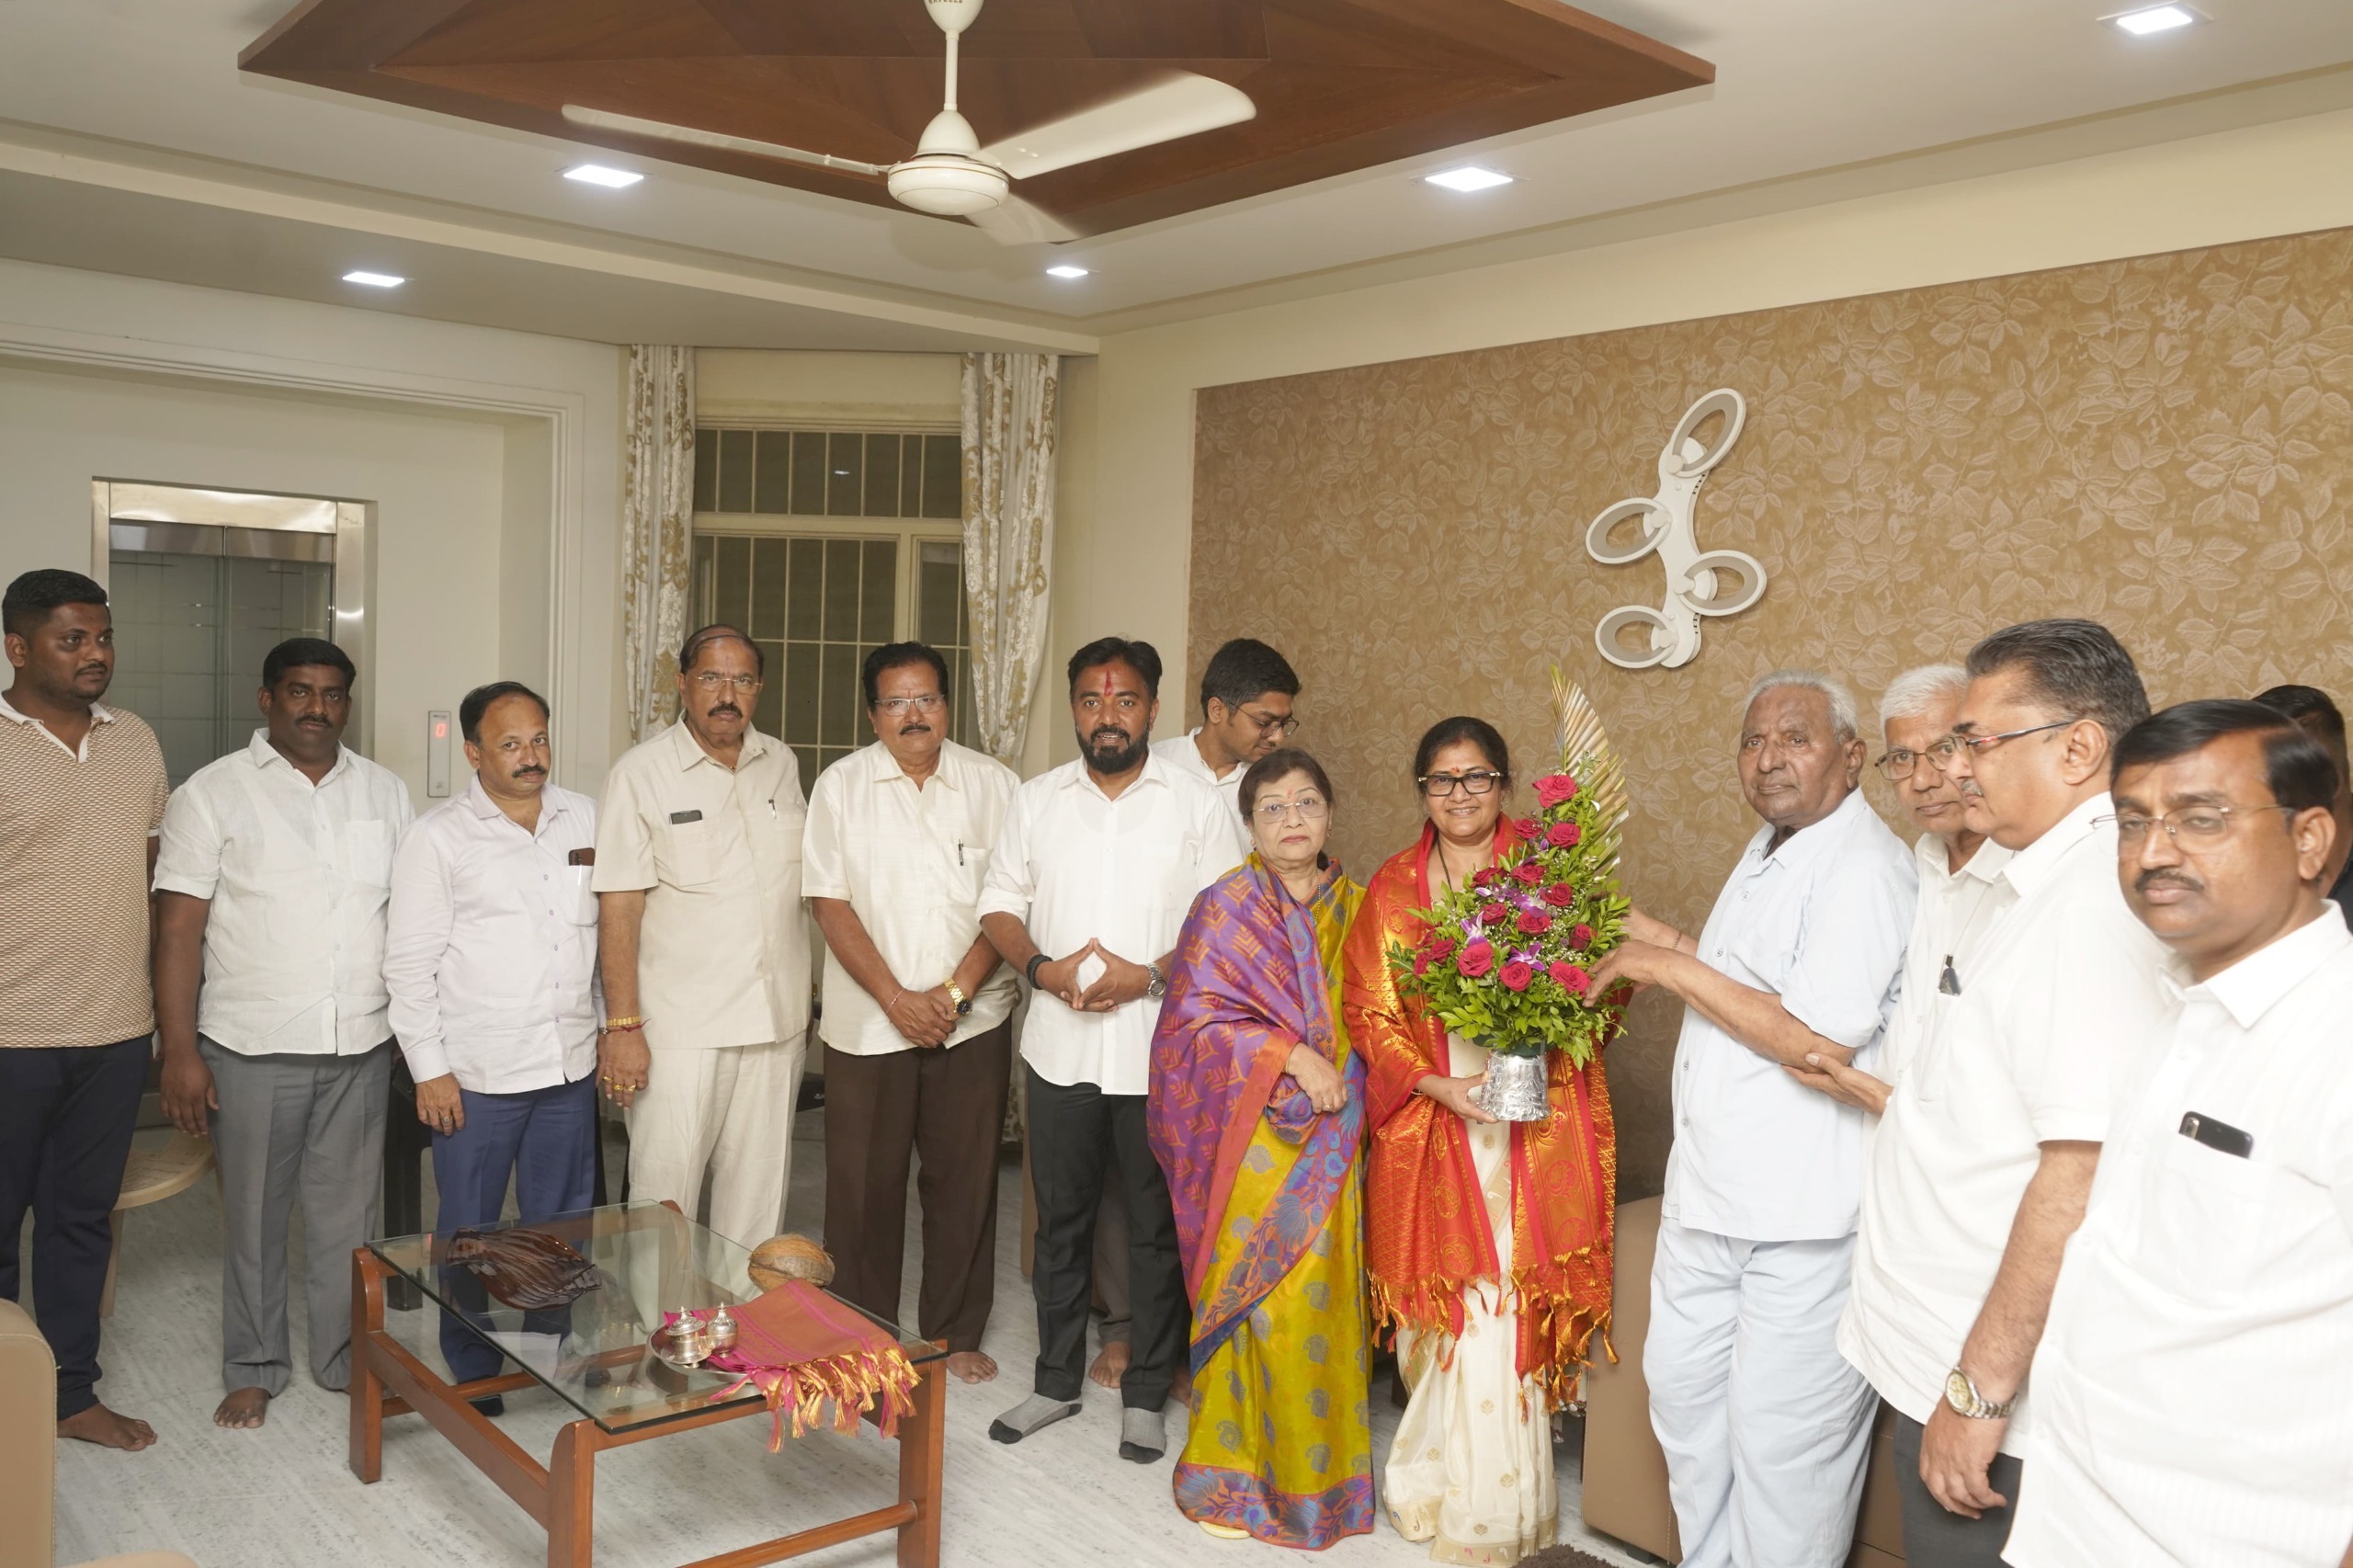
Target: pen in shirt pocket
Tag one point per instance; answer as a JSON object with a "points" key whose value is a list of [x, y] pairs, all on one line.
{"points": [[960, 852]]}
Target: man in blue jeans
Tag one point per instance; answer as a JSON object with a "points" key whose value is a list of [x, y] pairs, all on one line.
{"points": [[82, 792], [491, 960]]}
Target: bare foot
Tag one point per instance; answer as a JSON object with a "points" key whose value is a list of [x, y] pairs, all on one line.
{"points": [[1110, 1365], [103, 1426], [1181, 1392], [244, 1410], [971, 1367]]}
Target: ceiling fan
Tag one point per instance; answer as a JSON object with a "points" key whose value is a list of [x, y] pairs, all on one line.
{"points": [[952, 175]]}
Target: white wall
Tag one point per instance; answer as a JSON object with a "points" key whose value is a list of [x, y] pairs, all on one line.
{"points": [[492, 459], [1124, 529]]}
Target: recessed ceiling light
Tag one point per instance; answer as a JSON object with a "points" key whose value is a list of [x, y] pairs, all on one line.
{"points": [[2155, 19], [375, 279], [597, 173], [1067, 270], [1469, 177]]}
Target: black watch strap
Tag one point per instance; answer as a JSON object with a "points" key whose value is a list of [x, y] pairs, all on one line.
{"points": [[1030, 971]]}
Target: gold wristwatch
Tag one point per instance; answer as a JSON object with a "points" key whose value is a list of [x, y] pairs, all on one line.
{"points": [[955, 994], [1960, 1392]]}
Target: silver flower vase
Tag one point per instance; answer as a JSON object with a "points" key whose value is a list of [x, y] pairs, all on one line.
{"points": [[1515, 1088]]}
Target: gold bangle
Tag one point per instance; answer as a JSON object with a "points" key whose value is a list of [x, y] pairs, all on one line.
{"points": [[623, 1025]]}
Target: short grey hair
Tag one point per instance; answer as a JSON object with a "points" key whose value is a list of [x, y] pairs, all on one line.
{"points": [[1915, 692], [1834, 692]]}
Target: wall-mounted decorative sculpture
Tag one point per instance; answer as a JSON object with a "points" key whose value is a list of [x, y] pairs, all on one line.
{"points": [[1636, 637]]}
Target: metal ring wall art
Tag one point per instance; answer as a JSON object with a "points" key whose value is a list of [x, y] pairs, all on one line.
{"points": [[1699, 583]]}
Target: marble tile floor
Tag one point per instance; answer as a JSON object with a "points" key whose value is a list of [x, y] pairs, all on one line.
{"points": [[283, 1498]]}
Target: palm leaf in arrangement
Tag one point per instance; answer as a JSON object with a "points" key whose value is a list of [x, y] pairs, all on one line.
{"points": [[1585, 750]]}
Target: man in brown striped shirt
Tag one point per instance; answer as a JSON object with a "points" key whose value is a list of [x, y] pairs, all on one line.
{"points": [[82, 792]]}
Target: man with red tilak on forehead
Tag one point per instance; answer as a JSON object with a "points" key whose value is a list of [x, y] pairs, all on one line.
{"points": [[1094, 869]]}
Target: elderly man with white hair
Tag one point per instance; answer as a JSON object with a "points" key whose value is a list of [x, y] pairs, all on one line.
{"points": [[1765, 1426]]}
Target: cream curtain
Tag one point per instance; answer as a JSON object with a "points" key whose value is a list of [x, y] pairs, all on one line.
{"points": [[1010, 420], [658, 527]]}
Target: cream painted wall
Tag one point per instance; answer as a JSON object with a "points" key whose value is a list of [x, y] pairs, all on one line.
{"points": [[493, 459], [1124, 530]]}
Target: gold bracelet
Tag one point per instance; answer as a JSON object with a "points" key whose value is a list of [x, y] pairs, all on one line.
{"points": [[955, 991], [622, 1026]]}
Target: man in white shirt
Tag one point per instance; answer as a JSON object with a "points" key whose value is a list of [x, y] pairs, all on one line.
{"points": [[1098, 862], [1765, 1429], [1246, 698], [490, 958], [1988, 1147], [2194, 1386], [919, 1050], [272, 881], [702, 948]]}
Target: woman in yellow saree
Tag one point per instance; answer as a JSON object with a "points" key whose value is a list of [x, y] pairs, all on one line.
{"points": [[1256, 1114], [1487, 1246]]}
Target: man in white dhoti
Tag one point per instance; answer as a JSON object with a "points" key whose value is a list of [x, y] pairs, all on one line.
{"points": [[1766, 1428]]}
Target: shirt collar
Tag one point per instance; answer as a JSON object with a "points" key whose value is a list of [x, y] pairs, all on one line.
{"points": [[1155, 771], [1986, 865], [885, 769], [261, 753], [2249, 988], [689, 750], [2031, 869], [99, 713], [1806, 843]]}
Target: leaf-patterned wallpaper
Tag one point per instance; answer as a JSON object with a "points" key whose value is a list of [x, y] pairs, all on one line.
{"points": [[2156, 443]]}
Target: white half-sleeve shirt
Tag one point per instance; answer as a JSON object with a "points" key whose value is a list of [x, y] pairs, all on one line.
{"points": [[2063, 998], [910, 863], [2195, 1382], [298, 875], [490, 954], [1073, 863], [1956, 909], [1820, 922]]}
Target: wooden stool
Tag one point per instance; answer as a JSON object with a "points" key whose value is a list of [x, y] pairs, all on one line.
{"points": [[155, 1171]]}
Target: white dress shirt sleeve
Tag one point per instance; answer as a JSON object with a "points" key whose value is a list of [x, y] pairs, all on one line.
{"points": [[188, 856], [1857, 922], [1012, 882], [417, 926], [824, 863], [624, 844]]}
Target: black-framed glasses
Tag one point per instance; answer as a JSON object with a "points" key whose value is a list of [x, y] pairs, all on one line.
{"points": [[1283, 728], [1311, 808], [1944, 749], [1899, 762], [2198, 825], [1478, 781]]}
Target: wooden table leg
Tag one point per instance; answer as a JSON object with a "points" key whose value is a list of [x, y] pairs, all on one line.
{"points": [[367, 1390], [923, 1434], [572, 1496]]}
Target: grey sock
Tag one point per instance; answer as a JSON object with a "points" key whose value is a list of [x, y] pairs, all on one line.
{"points": [[1143, 1436], [1028, 1416]]}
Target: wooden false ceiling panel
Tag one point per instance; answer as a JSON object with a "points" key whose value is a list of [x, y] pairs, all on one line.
{"points": [[1339, 85]]}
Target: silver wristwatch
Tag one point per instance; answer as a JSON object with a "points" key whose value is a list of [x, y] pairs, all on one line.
{"points": [[1157, 986], [1960, 1392]]}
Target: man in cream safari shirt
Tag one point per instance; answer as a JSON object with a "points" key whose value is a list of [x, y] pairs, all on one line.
{"points": [[705, 958]]}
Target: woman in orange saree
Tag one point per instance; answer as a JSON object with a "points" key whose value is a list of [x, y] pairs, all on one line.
{"points": [[1487, 1245]]}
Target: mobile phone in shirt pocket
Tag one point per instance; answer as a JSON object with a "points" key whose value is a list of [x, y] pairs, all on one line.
{"points": [[368, 848], [686, 854], [2204, 1217]]}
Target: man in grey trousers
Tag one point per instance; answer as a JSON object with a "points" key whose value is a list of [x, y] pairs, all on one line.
{"points": [[272, 884]]}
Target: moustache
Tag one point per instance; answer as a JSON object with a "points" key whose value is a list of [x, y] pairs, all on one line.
{"points": [[727, 707], [1108, 734], [2166, 877], [531, 773], [1968, 789], [94, 668], [915, 729]]}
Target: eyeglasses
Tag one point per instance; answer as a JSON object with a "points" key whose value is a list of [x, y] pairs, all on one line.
{"points": [[1901, 762], [1311, 808], [893, 707], [1439, 786], [2198, 825], [712, 680], [1284, 728], [1942, 752]]}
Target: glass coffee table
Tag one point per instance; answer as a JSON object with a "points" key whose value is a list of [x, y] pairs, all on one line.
{"points": [[595, 1354]]}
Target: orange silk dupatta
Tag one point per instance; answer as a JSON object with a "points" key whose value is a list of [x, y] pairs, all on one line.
{"points": [[1426, 1230]]}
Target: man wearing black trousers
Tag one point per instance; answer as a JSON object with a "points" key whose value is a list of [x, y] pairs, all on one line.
{"points": [[1092, 871], [82, 792]]}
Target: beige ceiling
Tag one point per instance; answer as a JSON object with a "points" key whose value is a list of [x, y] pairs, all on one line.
{"points": [[130, 142]]}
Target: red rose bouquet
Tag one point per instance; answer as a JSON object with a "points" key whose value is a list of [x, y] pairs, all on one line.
{"points": [[1508, 960]]}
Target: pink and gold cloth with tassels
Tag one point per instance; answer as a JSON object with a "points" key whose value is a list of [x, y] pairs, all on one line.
{"points": [[804, 1348]]}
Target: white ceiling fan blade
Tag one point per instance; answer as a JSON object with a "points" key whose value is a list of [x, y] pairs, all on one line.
{"points": [[1019, 223], [629, 124], [1185, 105]]}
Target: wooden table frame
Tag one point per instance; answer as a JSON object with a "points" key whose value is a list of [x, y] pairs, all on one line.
{"points": [[388, 1379]]}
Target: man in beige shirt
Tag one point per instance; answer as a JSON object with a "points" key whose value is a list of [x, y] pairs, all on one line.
{"points": [[705, 957]]}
